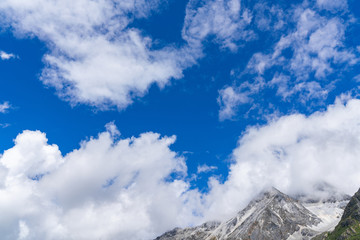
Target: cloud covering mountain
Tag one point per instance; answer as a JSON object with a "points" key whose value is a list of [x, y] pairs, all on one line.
{"points": [[107, 185]]}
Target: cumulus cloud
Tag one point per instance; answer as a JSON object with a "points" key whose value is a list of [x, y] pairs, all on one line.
{"points": [[105, 189], [136, 188], [226, 20], [295, 154], [94, 56]]}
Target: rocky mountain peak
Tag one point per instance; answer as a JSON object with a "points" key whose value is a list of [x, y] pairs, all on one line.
{"points": [[271, 215]]}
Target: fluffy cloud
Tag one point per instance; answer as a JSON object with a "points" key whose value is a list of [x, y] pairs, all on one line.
{"points": [[6, 56], [94, 56], [295, 154], [135, 188], [226, 20], [105, 189]]}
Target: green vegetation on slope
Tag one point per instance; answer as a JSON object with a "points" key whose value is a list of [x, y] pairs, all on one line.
{"points": [[349, 225]]}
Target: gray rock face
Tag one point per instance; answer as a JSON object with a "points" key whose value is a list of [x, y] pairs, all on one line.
{"points": [[201, 232], [272, 215]]}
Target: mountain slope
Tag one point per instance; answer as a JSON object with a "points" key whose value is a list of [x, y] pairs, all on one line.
{"points": [[201, 232], [272, 215], [349, 225]]}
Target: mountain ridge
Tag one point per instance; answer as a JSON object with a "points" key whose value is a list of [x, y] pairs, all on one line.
{"points": [[270, 215]]}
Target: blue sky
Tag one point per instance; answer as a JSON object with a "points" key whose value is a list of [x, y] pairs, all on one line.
{"points": [[255, 92]]}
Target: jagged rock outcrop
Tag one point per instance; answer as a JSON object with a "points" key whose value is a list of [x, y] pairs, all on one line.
{"points": [[201, 232], [273, 215]]}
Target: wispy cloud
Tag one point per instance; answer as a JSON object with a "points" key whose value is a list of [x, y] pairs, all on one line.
{"points": [[4, 107], [205, 168], [5, 125], [301, 63], [332, 5], [316, 44], [226, 20], [229, 99], [269, 17]]}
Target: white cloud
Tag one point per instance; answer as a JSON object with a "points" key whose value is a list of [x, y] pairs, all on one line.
{"points": [[121, 189], [4, 107], [301, 63], [269, 18], [231, 97], [105, 189], [94, 56], [316, 43], [4, 125], [332, 5], [205, 168], [294, 154], [225, 19], [23, 230], [6, 56], [306, 90], [228, 100]]}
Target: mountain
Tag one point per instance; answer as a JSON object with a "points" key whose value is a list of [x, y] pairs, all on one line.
{"points": [[201, 232], [349, 225], [271, 215]]}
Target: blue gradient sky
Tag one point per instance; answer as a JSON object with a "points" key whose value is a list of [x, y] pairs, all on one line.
{"points": [[211, 56]]}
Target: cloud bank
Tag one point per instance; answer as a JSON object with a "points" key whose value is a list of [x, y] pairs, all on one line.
{"points": [[105, 189], [136, 188], [295, 154]]}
